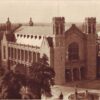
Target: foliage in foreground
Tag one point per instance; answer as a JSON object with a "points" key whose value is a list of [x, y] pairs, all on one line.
{"points": [[36, 81]]}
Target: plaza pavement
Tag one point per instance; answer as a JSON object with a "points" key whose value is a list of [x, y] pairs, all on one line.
{"points": [[93, 86]]}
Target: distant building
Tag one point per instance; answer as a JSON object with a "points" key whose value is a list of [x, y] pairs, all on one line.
{"points": [[72, 52]]}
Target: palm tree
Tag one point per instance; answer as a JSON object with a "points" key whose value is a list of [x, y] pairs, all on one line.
{"points": [[41, 78]]}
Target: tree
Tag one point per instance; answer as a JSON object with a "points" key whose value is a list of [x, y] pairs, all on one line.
{"points": [[37, 79], [41, 78], [2, 71], [11, 84]]}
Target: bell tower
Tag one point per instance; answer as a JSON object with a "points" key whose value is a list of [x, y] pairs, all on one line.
{"points": [[58, 25], [91, 47], [4, 52], [59, 49]]}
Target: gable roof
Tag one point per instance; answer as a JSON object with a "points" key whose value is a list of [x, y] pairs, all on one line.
{"points": [[74, 29], [35, 30], [50, 41], [10, 37]]}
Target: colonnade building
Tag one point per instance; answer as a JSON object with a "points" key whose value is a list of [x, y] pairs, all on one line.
{"points": [[72, 52]]}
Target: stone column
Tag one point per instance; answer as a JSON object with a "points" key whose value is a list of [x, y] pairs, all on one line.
{"points": [[28, 56], [13, 53], [32, 57], [72, 74], [24, 55], [36, 57], [17, 54], [20, 54], [10, 52], [79, 74]]}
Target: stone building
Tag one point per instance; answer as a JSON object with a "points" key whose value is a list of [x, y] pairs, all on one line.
{"points": [[71, 51]]}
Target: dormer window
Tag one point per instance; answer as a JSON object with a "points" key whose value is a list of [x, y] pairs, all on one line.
{"points": [[27, 36], [17, 35], [39, 37], [35, 37], [31, 36], [24, 36], [21, 35]]}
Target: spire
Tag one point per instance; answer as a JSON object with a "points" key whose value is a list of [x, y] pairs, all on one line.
{"points": [[8, 24], [31, 22], [8, 20]]}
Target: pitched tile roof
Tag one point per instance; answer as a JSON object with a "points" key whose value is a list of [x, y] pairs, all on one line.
{"points": [[35, 30]]}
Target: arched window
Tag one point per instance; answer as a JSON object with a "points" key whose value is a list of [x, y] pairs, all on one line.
{"points": [[73, 51]]}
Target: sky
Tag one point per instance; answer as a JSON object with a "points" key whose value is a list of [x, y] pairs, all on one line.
{"points": [[45, 10]]}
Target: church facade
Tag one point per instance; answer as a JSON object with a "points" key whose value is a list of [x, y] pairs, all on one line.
{"points": [[72, 52]]}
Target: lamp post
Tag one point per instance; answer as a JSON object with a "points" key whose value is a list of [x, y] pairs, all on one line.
{"points": [[76, 93]]}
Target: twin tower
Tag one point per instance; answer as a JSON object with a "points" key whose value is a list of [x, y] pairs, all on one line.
{"points": [[59, 25], [89, 45]]}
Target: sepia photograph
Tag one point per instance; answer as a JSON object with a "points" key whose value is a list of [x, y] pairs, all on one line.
{"points": [[49, 49]]}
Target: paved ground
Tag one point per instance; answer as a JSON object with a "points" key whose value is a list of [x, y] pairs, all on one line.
{"points": [[92, 86]]}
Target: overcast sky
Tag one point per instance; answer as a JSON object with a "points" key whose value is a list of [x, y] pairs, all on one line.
{"points": [[44, 10]]}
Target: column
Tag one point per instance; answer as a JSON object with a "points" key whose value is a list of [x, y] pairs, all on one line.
{"points": [[17, 54], [72, 74], [79, 74], [28, 56], [10, 52], [13, 53], [36, 57], [24, 55], [20, 54], [32, 57]]}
